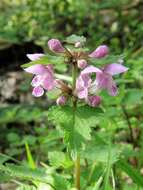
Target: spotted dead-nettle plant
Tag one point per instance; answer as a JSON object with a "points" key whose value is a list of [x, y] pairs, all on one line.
{"points": [[77, 77]]}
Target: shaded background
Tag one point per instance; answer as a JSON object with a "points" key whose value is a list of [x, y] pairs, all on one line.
{"points": [[26, 26]]}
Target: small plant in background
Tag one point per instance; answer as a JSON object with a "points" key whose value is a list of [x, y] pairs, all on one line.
{"points": [[78, 92]]}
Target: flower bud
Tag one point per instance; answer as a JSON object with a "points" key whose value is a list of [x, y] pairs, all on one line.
{"points": [[61, 101], [55, 46], [94, 101], [100, 52], [77, 45], [81, 63]]}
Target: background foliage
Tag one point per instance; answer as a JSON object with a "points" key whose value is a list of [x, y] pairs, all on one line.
{"points": [[25, 26]]}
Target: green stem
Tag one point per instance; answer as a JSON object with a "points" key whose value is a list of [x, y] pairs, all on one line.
{"points": [[74, 75], [77, 172], [91, 173], [77, 161]]}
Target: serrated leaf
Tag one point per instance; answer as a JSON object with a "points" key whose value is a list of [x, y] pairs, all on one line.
{"points": [[55, 181], [61, 183], [23, 172], [46, 59], [74, 38], [59, 159], [77, 128]]}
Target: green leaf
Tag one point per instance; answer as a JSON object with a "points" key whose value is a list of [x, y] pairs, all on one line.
{"points": [[4, 178], [100, 153], [60, 182], [131, 172], [29, 156], [26, 187], [3, 158], [98, 183], [133, 96], [13, 137], [74, 38], [55, 181], [23, 172], [45, 60], [43, 186], [59, 159], [106, 60], [106, 182], [20, 113], [76, 129]]}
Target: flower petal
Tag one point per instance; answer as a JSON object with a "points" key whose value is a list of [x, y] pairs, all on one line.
{"points": [[61, 101], [83, 93], [99, 52], [48, 81], [112, 89], [103, 80], [94, 101], [38, 91], [34, 56], [36, 81], [82, 63], [55, 46], [37, 69], [115, 68], [91, 69], [82, 84]]}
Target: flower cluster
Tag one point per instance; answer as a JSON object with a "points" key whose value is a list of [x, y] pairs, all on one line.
{"points": [[87, 86]]}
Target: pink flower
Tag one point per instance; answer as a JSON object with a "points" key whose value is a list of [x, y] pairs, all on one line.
{"points": [[84, 82], [61, 100], [35, 56], [43, 79], [94, 101], [100, 52], [104, 78], [55, 46], [81, 63]]}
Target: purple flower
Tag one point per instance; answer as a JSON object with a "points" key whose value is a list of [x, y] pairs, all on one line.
{"points": [[84, 82], [104, 78], [94, 101], [55, 46], [100, 52], [61, 100], [81, 63], [43, 79]]}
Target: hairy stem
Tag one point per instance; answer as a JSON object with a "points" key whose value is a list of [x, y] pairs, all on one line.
{"points": [[77, 161], [74, 75]]}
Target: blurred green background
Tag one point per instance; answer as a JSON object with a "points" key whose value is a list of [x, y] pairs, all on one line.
{"points": [[26, 26]]}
